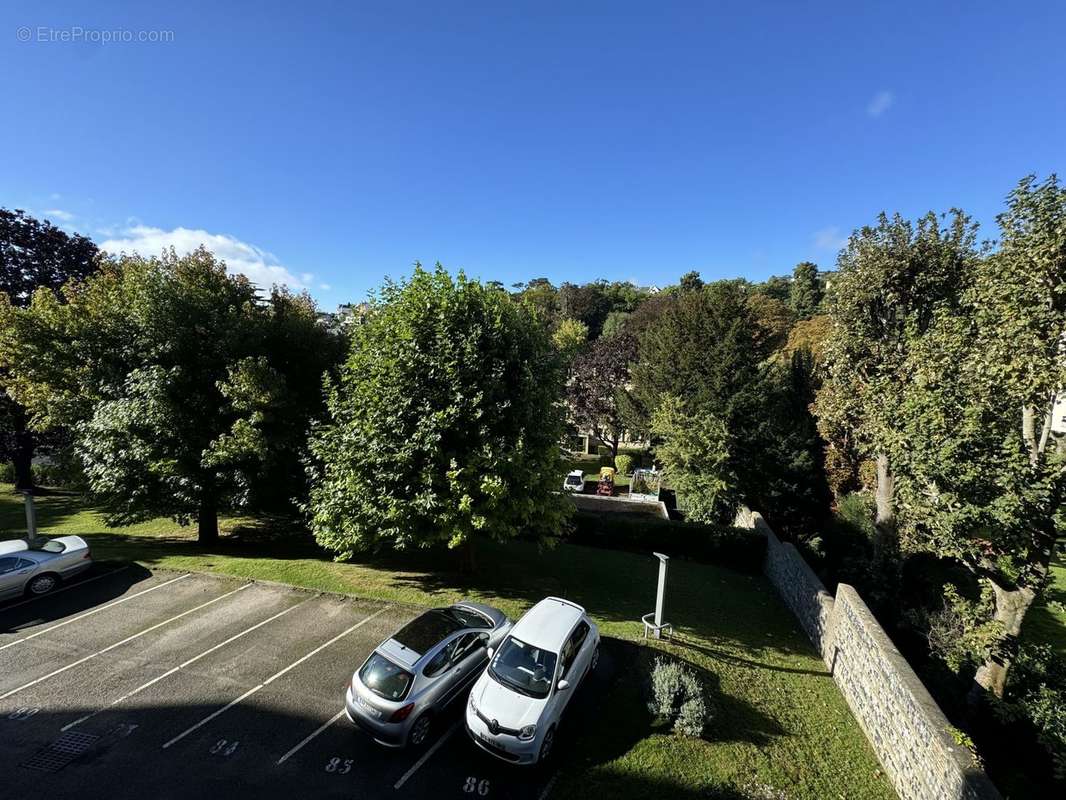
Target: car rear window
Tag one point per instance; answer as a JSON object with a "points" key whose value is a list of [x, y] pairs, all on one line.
{"points": [[384, 678], [52, 546]]}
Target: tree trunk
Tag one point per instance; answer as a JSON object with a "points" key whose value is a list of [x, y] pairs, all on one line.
{"points": [[1011, 605], [22, 461], [207, 522], [885, 522], [467, 560], [22, 458]]}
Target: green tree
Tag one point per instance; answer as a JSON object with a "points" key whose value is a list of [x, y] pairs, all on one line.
{"points": [[891, 280], [774, 320], [166, 370], [696, 459], [569, 337], [444, 425], [708, 352], [588, 303], [690, 281], [779, 287], [33, 255], [805, 292], [981, 476]]}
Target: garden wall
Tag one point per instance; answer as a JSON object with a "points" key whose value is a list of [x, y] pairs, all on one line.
{"points": [[908, 731]]}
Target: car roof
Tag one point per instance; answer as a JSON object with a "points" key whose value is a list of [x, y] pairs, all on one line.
{"points": [[548, 623], [13, 546], [576, 473]]}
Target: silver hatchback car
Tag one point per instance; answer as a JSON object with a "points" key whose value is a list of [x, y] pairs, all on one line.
{"points": [[38, 569], [414, 674]]}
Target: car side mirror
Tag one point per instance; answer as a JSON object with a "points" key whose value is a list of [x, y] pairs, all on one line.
{"points": [[563, 684], [489, 651]]}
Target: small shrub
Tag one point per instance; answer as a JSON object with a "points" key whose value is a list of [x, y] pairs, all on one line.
{"points": [[623, 463], [679, 697], [693, 717], [7, 472]]}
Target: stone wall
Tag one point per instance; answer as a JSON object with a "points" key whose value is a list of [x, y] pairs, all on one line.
{"points": [[908, 731]]}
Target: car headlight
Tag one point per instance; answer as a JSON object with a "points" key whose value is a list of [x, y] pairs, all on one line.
{"points": [[527, 733]]}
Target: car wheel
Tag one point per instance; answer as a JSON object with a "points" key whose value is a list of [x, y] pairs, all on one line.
{"points": [[547, 744], [42, 584], [420, 730]]}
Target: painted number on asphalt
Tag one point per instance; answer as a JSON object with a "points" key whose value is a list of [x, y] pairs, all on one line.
{"points": [[339, 767], [23, 713], [480, 787], [223, 747]]}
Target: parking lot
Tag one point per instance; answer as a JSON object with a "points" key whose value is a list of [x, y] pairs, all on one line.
{"points": [[166, 684]]}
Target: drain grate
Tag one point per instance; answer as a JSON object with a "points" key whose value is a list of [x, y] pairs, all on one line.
{"points": [[60, 752]]}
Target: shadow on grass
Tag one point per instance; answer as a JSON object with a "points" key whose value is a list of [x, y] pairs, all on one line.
{"points": [[731, 658], [614, 718]]}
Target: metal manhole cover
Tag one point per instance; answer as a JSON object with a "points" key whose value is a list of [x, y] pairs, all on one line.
{"points": [[60, 752]]}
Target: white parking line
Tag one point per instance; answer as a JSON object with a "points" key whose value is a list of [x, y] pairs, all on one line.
{"points": [[66, 588], [94, 611], [127, 640], [426, 756], [178, 668], [321, 728], [270, 680]]}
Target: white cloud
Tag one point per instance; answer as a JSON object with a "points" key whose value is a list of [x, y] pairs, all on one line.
{"points": [[59, 214], [829, 238], [261, 267], [880, 103]]}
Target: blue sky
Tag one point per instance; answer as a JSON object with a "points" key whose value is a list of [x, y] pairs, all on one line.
{"points": [[331, 144]]}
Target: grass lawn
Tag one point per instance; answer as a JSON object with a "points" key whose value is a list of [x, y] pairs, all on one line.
{"points": [[779, 720], [1046, 621]]}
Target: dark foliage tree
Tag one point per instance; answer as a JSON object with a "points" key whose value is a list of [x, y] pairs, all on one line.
{"points": [[690, 281], [779, 287], [805, 292], [588, 303], [33, 255], [597, 385]]}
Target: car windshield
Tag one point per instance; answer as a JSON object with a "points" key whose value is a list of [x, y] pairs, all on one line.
{"points": [[574, 480], [526, 669], [384, 678]]}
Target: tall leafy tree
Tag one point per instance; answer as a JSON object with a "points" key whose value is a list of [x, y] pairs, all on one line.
{"points": [[179, 383], [981, 476], [891, 280], [444, 425], [598, 382], [805, 291], [33, 255]]}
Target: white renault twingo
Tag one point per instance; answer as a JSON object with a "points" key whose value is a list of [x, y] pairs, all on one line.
{"points": [[516, 704]]}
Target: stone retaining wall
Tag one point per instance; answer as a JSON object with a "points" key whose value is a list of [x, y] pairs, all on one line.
{"points": [[908, 731]]}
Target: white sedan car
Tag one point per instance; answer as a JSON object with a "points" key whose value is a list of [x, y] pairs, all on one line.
{"points": [[39, 569], [516, 705]]}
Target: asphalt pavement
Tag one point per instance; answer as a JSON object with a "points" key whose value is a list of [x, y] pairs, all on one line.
{"points": [[133, 683]]}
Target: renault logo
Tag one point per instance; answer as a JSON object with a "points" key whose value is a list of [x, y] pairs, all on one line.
{"points": [[494, 727]]}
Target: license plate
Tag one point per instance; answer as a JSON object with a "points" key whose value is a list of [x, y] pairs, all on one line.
{"points": [[370, 709]]}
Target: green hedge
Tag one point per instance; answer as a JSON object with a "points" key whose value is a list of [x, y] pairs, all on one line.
{"points": [[739, 548]]}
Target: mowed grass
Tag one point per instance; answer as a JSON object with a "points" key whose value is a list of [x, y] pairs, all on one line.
{"points": [[779, 721], [1046, 621]]}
